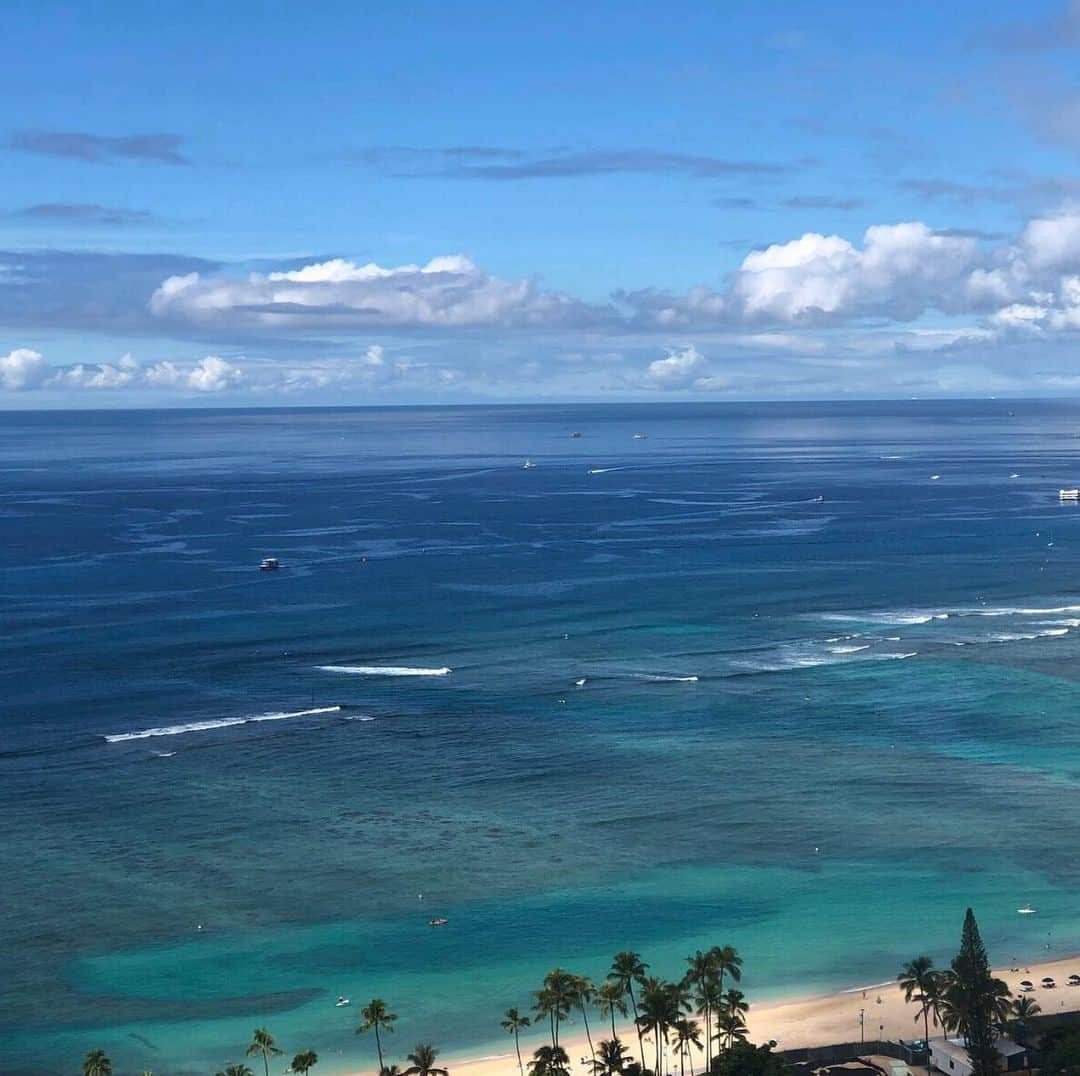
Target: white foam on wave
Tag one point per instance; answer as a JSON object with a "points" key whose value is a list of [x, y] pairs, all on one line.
{"points": [[848, 649], [900, 617], [664, 678], [384, 670], [220, 723], [600, 470]]}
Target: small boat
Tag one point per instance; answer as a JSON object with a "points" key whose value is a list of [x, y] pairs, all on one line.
{"points": [[581, 682], [1069, 494], [438, 921], [641, 436], [269, 564], [1026, 985], [819, 499], [528, 465], [341, 1002], [1074, 980], [576, 433], [1025, 911], [1049, 983]]}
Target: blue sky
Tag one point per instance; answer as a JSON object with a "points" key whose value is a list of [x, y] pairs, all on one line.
{"points": [[271, 203]]}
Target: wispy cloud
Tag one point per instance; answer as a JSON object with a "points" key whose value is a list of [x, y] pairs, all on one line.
{"points": [[100, 149], [506, 163], [82, 213], [822, 201]]}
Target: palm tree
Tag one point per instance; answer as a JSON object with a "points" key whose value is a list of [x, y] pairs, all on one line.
{"points": [[555, 999], [1021, 1010], [376, 1016], [423, 1061], [687, 1034], [707, 1002], [610, 995], [730, 1027], [97, 1063], [515, 1023], [701, 973], [584, 991], [921, 984], [390, 1070], [304, 1062], [726, 961], [550, 1061], [626, 969], [611, 1058], [235, 1070], [661, 1003], [262, 1044], [734, 1001]]}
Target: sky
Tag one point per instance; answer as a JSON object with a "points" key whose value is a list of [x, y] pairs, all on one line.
{"points": [[421, 202]]}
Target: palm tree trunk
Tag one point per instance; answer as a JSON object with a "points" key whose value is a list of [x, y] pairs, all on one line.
{"points": [[517, 1046], [637, 1026], [708, 1040], [266, 1062], [613, 1035], [588, 1035], [378, 1046], [656, 1032]]}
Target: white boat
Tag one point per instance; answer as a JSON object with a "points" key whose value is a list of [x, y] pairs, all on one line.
{"points": [[341, 1002], [528, 465], [640, 436], [1025, 911], [1069, 494], [269, 564]]}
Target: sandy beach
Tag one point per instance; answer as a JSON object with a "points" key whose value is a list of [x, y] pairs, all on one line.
{"points": [[795, 1022]]}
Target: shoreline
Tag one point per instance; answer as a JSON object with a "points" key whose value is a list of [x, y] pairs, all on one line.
{"points": [[793, 1021]]}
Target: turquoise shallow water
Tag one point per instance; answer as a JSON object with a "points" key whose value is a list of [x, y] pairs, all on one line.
{"points": [[812, 728]]}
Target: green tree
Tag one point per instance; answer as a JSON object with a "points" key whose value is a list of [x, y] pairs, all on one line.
{"points": [[235, 1070], [550, 1061], [726, 961], [730, 1028], [1021, 1010], [97, 1063], [626, 969], [973, 1002], [611, 999], [687, 1036], [611, 1058], [515, 1023], [555, 999], [661, 1004], [423, 1061], [1060, 1049], [746, 1059], [375, 1016], [701, 974], [262, 1045], [922, 984], [304, 1062]]}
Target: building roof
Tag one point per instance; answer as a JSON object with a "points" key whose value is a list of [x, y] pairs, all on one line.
{"points": [[956, 1048]]}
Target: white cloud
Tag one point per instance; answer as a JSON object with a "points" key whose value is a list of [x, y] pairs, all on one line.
{"points": [[676, 371], [22, 369], [25, 369], [447, 292]]}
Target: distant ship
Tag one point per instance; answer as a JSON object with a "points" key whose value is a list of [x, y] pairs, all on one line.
{"points": [[438, 922], [528, 465], [640, 436], [269, 564], [1069, 494], [576, 433]]}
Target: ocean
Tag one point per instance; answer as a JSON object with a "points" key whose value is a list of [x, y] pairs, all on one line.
{"points": [[798, 678]]}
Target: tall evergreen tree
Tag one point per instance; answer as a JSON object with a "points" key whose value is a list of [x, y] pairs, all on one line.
{"points": [[973, 1001]]}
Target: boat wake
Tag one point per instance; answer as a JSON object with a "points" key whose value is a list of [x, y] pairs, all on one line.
{"points": [[384, 670], [221, 723]]}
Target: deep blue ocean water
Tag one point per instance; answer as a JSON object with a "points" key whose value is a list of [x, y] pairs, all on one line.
{"points": [[828, 701]]}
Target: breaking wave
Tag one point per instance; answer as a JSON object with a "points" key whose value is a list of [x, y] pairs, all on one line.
{"points": [[221, 723], [384, 670]]}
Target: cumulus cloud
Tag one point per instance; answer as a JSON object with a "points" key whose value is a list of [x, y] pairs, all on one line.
{"points": [[26, 369], [678, 370], [447, 292], [22, 369]]}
